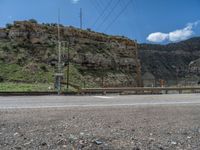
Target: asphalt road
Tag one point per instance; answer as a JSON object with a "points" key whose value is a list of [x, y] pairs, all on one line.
{"points": [[96, 101], [137, 122]]}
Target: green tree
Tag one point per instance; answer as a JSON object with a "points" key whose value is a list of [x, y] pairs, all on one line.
{"points": [[33, 21], [9, 25]]}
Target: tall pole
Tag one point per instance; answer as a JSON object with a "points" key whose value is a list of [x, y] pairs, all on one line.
{"points": [[81, 18], [177, 71], [59, 55], [68, 63]]}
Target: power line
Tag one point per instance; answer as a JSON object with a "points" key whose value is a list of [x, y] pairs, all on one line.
{"points": [[95, 6], [102, 14], [102, 3], [119, 14], [121, 4], [129, 23], [81, 18], [99, 4], [112, 9], [135, 23]]}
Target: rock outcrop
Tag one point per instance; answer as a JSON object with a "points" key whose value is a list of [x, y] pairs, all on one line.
{"points": [[94, 55], [172, 61]]}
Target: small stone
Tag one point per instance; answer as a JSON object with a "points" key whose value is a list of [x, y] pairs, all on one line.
{"points": [[98, 142], [72, 137], [133, 138], [87, 134], [64, 146], [118, 121], [199, 130], [173, 143], [161, 148], [81, 142], [136, 148], [44, 144], [16, 134], [188, 146], [151, 134], [60, 142], [169, 133], [2, 129], [18, 148], [151, 139], [189, 137], [28, 143], [81, 133]]}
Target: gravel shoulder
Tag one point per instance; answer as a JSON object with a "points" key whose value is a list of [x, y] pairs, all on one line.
{"points": [[121, 127]]}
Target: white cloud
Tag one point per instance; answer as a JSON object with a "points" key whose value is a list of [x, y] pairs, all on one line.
{"points": [[181, 34], [157, 37], [174, 36], [75, 1]]}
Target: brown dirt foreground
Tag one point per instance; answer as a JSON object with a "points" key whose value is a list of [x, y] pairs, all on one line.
{"points": [[101, 128]]}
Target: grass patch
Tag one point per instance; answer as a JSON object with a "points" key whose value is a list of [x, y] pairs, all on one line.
{"points": [[25, 87], [14, 72], [30, 87]]}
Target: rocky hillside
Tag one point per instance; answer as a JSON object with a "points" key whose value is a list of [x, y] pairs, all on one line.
{"points": [[28, 53], [169, 61]]}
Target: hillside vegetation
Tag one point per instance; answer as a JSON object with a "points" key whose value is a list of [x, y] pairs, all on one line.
{"points": [[29, 54]]}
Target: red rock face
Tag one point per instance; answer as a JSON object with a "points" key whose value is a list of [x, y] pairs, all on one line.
{"points": [[91, 51]]}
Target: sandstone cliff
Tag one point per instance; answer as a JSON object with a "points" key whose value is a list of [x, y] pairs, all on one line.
{"points": [[28, 53]]}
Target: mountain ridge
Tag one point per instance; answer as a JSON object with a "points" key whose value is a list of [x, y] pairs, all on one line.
{"points": [[164, 60]]}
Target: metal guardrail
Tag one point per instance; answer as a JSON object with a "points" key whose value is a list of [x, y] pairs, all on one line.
{"points": [[35, 93], [122, 90], [139, 90]]}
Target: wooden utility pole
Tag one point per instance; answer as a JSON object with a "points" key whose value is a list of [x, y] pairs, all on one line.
{"points": [[68, 63]]}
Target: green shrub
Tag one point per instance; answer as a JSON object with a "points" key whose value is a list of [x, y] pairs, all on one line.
{"points": [[1, 79], [9, 25], [33, 21]]}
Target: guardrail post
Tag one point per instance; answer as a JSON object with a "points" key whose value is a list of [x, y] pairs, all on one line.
{"points": [[104, 92], [166, 91]]}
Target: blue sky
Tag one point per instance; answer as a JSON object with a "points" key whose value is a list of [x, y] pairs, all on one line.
{"points": [[154, 21]]}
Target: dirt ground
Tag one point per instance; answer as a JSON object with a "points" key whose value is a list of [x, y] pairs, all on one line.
{"points": [[101, 128]]}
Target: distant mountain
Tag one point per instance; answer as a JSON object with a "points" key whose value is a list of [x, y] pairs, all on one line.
{"points": [[192, 44], [169, 61]]}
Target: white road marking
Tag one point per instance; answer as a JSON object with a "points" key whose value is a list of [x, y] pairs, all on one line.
{"points": [[97, 101], [103, 105], [103, 97]]}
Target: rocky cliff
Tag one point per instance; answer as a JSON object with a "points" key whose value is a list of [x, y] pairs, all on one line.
{"points": [[28, 53], [170, 61]]}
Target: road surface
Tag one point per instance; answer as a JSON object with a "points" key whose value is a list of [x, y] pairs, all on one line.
{"points": [[139, 122], [94, 101]]}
